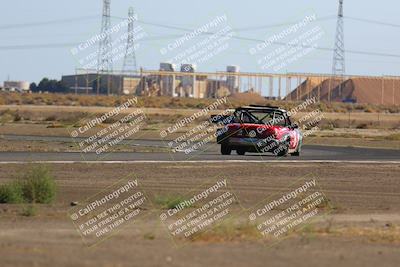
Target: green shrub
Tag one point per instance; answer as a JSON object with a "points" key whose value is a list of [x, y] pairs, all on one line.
{"points": [[17, 117], [51, 118], [29, 211], [38, 185], [169, 202], [362, 126], [11, 193], [149, 236]]}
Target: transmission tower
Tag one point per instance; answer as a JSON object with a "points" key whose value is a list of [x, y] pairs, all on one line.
{"points": [[338, 68], [104, 63], [130, 55]]}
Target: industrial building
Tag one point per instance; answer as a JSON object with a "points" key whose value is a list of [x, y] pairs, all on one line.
{"points": [[233, 82], [97, 83], [291, 86], [20, 86], [166, 82], [188, 83]]}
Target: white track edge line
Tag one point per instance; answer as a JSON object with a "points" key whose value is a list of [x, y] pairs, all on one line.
{"points": [[204, 161]]}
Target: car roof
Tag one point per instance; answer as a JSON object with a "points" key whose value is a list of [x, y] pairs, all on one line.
{"points": [[262, 108]]}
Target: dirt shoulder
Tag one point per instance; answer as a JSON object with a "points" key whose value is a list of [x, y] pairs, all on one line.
{"points": [[388, 139], [361, 230]]}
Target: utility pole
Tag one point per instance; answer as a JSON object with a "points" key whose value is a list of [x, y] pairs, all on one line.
{"points": [[105, 48], [339, 67], [105, 62], [130, 55]]}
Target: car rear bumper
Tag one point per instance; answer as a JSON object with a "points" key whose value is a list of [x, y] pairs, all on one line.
{"points": [[254, 144]]}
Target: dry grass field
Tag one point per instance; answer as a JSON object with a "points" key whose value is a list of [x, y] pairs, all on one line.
{"points": [[177, 103], [361, 230], [357, 128]]}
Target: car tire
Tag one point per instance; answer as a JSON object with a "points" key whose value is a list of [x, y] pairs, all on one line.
{"points": [[226, 149], [241, 151], [283, 149]]}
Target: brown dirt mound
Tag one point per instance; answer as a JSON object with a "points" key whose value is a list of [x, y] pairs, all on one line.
{"points": [[248, 97], [362, 90]]}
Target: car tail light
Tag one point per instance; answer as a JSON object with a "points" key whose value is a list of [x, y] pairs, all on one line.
{"points": [[275, 133]]}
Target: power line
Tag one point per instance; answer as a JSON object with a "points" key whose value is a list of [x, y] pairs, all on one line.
{"points": [[373, 22], [37, 46], [242, 53], [45, 23], [60, 45], [156, 24], [251, 28], [57, 45], [357, 52]]}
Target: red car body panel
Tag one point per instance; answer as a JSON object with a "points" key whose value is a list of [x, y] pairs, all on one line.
{"points": [[252, 137]]}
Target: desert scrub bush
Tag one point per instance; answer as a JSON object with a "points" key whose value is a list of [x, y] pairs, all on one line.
{"points": [[169, 202], [329, 124], [369, 109], [394, 137], [393, 109], [362, 126], [73, 117], [51, 118], [149, 236], [17, 116], [7, 116], [37, 185], [368, 125], [29, 211], [11, 193]]}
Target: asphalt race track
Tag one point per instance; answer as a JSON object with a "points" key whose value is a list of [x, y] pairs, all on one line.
{"points": [[309, 153]]}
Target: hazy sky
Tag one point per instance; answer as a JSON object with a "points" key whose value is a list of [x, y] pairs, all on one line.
{"points": [[26, 26]]}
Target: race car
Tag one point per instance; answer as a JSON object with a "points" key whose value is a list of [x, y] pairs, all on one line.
{"points": [[258, 129]]}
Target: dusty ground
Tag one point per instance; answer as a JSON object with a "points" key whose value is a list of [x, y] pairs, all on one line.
{"points": [[379, 130], [372, 138], [361, 230], [54, 146], [36, 112]]}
